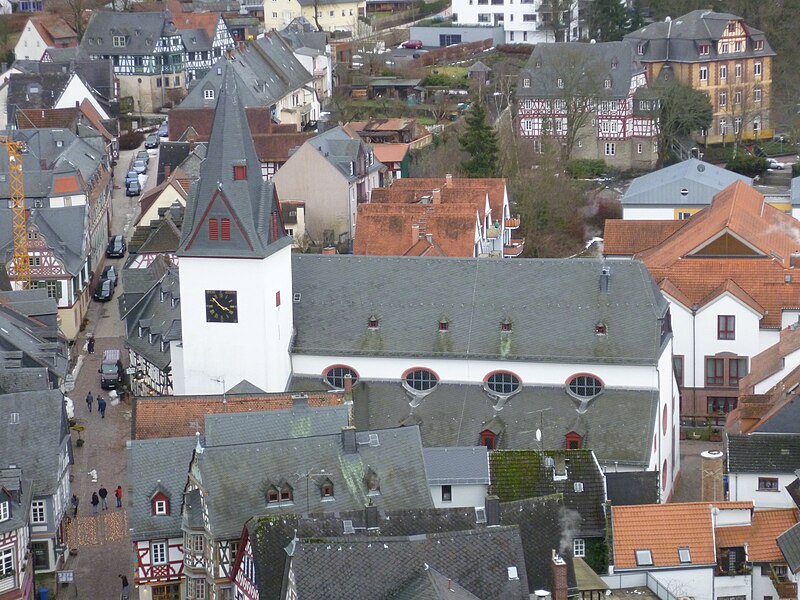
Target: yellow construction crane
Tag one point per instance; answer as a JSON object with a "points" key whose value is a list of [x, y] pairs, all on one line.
{"points": [[19, 221]]}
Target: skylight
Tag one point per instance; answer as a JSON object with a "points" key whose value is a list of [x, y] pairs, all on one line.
{"points": [[644, 558], [684, 555]]}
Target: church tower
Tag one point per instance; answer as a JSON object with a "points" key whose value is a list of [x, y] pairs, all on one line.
{"points": [[235, 265]]}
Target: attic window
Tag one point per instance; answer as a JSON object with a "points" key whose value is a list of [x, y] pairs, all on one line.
{"points": [[59, 143], [33, 88], [444, 325], [600, 329], [577, 487], [644, 558], [372, 323], [373, 482], [5, 514], [352, 168], [526, 82], [326, 489], [213, 229], [208, 94], [705, 49], [488, 439], [503, 382], [420, 380], [573, 440], [607, 84], [14, 418], [160, 506], [758, 44], [614, 64], [684, 555], [273, 495], [640, 49], [287, 493], [226, 229], [239, 172], [584, 386], [335, 376], [505, 326], [119, 41], [560, 83]]}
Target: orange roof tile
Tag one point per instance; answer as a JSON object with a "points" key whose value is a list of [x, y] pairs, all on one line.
{"points": [[388, 153], [51, 27], [275, 147], [495, 188], [760, 536], [67, 184], [662, 529], [90, 112], [178, 416], [631, 236], [205, 20]]}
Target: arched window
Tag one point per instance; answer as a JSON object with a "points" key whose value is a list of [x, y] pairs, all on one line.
{"points": [[420, 380], [489, 439], [326, 489], [287, 493], [664, 475], [664, 420], [585, 386], [335, 376], [273, 495], [503, 382]]}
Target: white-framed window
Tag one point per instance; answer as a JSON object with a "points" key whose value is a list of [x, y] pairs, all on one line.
{"points": [[158, 552], [526, 82], [757, 95], [757, 69], [638, 148], [195, 588], [6, 561], [703, 73], [208, 94], [705, 49], [737, 46], [737, 125], [737, 97], [644, 558], [683, 215], [723, 126], [5, 513], [161, 507], [723, 72], [607, 84], [527, 124], [758, 45], [578, 548], [560, 83], [38, 513], [723, 98], [725, 48], [119, 41], [738, 70], [611, 149]]}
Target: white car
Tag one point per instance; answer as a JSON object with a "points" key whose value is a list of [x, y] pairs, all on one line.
{"points": [[774, 164], [69, 407]]}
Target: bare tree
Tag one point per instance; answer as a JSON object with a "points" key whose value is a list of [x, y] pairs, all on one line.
{"points": [[742, 109], [560, 16]]}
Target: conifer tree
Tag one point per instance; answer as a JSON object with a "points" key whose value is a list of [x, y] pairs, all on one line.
{"points": [[480, 142]]}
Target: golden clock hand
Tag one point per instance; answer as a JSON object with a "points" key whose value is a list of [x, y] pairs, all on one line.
{"points": [[225, 308]]}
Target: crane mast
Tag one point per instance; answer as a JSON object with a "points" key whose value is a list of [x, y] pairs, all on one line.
{"points": [[19, 224]]}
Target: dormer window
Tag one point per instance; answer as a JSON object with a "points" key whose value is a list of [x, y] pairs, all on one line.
{"points": [[372, 482], [208, 94], [287, 493], [705, 49], [372, 323], [225, 233], [352, 168], [326, 489], [758, 44], [119, 41], [640, 49], [526, 82], [160, 505], [273, 495], [444, 325], [239, 172], [505, 326], [560, 83], [5, 511], [607, 84], [213, 229], [574, 441], [614, 64], [489, 439]]}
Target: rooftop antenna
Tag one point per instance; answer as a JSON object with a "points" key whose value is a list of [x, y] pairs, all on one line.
{"points": [[539, 432]]}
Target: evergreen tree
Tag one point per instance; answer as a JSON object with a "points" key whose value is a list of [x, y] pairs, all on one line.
{"points": [[609, 20], [480, 141]]}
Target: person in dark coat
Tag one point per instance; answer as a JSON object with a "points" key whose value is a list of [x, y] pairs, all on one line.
{"points": [[95, 502], [90, 344], [74, 503], [125, 588], [89, 400], [101, 406], [103, 493]]}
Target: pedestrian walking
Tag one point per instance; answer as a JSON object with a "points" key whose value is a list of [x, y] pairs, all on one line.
{"points": [[101, 406], [103, 493], [74, 503], [89, 400], [125, 588], [90, 344], [118, 496], [95, 502]]}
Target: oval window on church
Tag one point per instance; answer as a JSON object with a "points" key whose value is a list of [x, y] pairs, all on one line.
{"points": [[335, 376], [503, 382], [585, 386], [420, 380]]}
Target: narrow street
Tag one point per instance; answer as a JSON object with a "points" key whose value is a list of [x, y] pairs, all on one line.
{"points": [[103, 548]]}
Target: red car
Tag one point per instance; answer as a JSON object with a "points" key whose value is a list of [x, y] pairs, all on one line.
{"points": [[412, 44]]}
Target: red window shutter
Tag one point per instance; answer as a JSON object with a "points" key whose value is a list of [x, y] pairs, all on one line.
{"points": [[226, 229], [213, 229], [278, 298], [239, 172]]}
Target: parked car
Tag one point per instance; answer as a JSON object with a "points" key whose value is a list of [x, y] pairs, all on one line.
{"points": [[116, 247], [151, 141], [143, 155], [163, 131], [104, 290], [412, 44], [140, 166], [133, 189], [110, 273], [774, 164], [130, 177]]}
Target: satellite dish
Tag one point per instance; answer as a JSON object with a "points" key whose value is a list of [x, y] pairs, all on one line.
{"points": [[538, 435]]}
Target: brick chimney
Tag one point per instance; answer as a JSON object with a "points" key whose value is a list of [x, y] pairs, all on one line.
{"points": [[436, 196], [167, 171], [414, 233], [349, 440], [300, 401], [448, 180], [329, 250], [559, 581]]}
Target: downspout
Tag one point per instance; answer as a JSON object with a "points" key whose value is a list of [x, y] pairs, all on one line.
{"points": [[694, 352]]}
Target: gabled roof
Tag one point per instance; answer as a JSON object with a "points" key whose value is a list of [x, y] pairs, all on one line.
{"points": [[466, 465], [206, 21], [669, 527], [54, 30], [16, 490], [185, 415], [276, 147], [630, 236], [519, 474], [393, 455], [250, 203], [468, 295], [142, 32], [495, 189], [760, 536], [756, 453], [432, 585], [36, 90], [342, 151], [157, 465], [389, 153], [771, 360], [691, 182]]}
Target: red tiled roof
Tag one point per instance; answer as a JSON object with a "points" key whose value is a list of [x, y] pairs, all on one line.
{"points": [[90, 112], [631, 237], [760, 536], [495, 188], [67, 184], [181, 416], [204, 20], [52, 27], [663, 528], [275, 147], [389, 153], [60, 118]]}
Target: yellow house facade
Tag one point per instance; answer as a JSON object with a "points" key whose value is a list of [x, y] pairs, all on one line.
{"points": [[721, 55], [332, 16]]}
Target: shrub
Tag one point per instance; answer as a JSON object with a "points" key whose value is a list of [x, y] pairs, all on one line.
{"points": [[442, 80], [796, 170], [586, 168], [131, 140], [524, 49], [747, 164]]}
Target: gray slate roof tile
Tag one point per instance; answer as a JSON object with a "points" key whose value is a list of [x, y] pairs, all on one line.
{"points": [[789, 544], [758, 453], [464, 465]]}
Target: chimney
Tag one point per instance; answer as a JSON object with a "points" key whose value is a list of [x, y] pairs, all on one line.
{"points": [[414, 233], [77, 105], [559, 582], [492, 510], [371, 516], [794, 261], [329, 250], [605, 279], [300, 401], [448, 180], [436, 196], [429, 237], [348, 384], [349, 439], [167, 171]]}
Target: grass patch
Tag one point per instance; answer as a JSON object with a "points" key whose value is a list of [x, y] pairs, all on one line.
{"points": [[450, 71]]}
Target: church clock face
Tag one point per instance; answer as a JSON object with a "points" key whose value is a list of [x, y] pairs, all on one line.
{"points": [[221, 306]]}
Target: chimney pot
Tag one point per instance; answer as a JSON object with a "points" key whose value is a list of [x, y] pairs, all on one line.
{"points": [[437, 196], [448, 180], [414, 233], [300, 401], [329, 250], [349, 439], [559, 574], [348, 383]]}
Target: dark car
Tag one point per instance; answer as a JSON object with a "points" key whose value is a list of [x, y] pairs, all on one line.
{"points": [[163, 130], [110, 273], [143, 155], [130, 177], [104, 290], [151, 141], [412, 44], [116, 247], [133, 189]]}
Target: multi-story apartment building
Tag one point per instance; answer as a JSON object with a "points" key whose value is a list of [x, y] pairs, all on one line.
{"points": [[607, 114], [721, 55], [328, 15]]}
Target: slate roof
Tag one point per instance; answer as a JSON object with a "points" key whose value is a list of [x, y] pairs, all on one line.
{"points": [[665, 187], [63, 228], [466, 465], [17, 491], [756, 453], [185, 415], [341, 150], [554, 306], [571, 61], [26, 90], [340, 568], [251, 427], [155, 466], [251, 203], [619, 423], [432, 585], [266, 67], [519, 474], [678, 40], [394, 455], [35, 441], [539, 520], [760, 536], [142, 31], [789, 545], [632, 487]]}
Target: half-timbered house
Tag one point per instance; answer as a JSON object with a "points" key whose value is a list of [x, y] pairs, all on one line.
{"points": [[594, 97], [16, 576], [205, 36]]}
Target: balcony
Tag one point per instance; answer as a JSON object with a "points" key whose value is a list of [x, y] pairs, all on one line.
{"points": [[512, 223], [514, 248], [785, 588]]}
